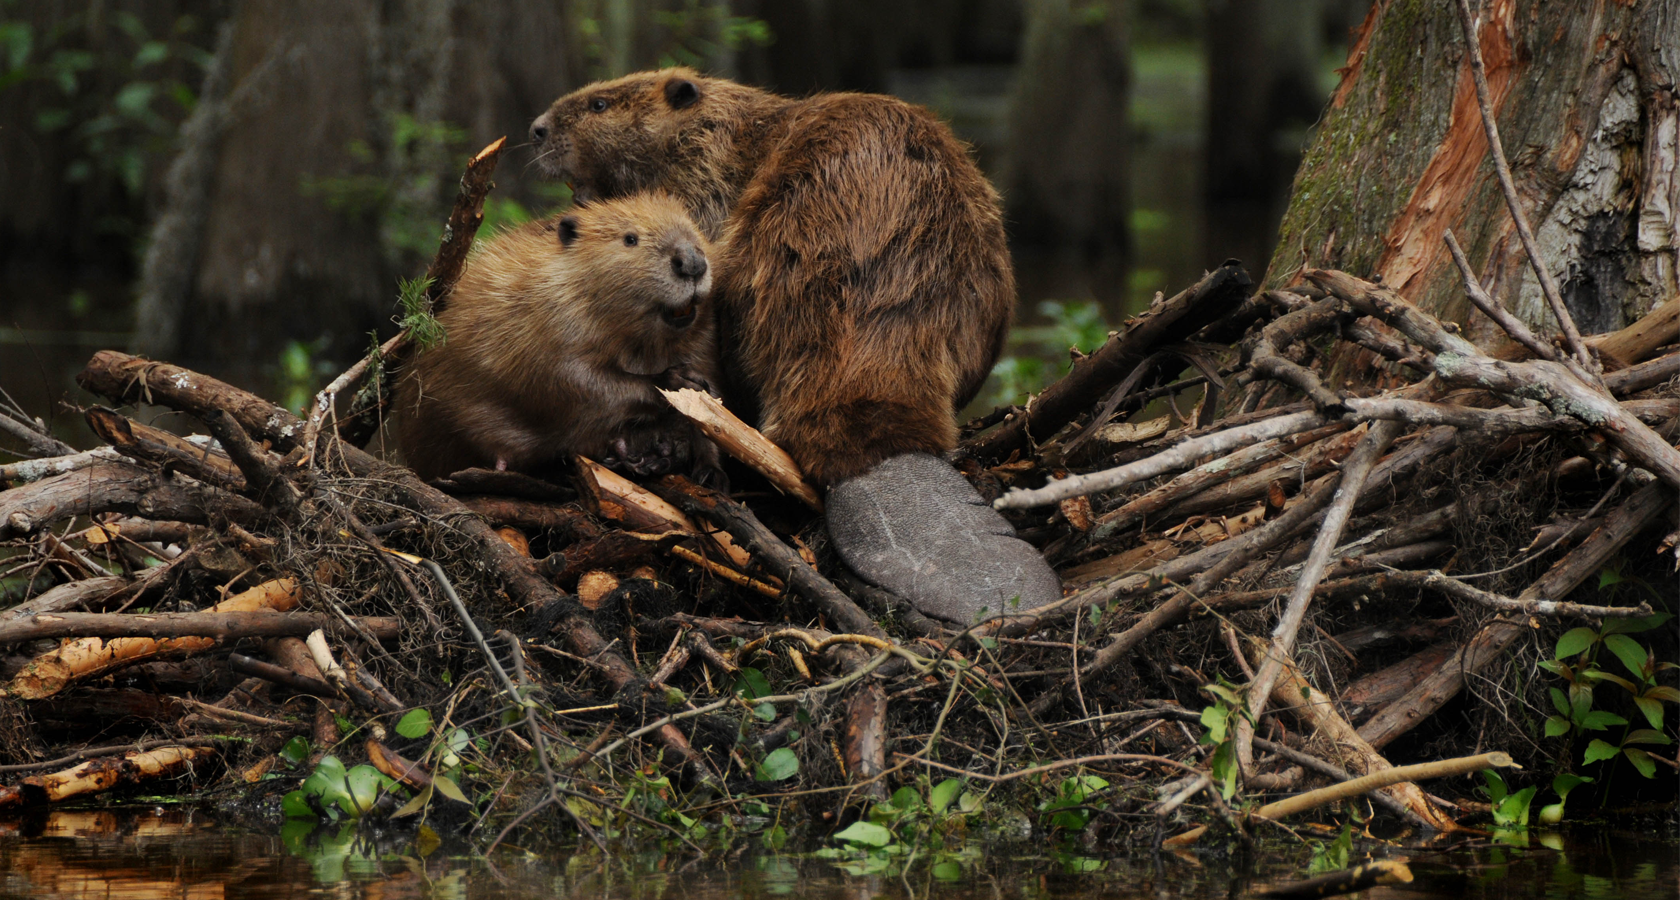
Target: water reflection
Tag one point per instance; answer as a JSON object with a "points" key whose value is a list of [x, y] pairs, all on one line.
{"points": [[158, 853]]}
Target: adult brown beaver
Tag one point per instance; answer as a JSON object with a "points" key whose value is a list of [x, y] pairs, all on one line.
{"points": [[863, 295], [556, 338]]}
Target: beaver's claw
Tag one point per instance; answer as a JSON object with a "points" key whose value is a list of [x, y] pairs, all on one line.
{"points": [[916, 527]]}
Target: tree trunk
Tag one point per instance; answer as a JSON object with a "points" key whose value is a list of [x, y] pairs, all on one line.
{"points": [[345, 125], [1262, 71], [1065, 181], [1587, 108]]}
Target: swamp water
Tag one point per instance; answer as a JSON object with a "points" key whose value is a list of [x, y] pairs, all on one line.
{"points": [[139, 854]]}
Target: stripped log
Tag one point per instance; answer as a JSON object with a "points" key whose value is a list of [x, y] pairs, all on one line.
{"points": [[85, 657]]}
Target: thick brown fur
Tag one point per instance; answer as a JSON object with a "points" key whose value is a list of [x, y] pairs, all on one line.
{"points": [[865, 287], [556, 338]]}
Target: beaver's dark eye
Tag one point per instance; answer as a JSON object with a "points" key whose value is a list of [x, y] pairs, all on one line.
{"points": [[630, 240], [598, 105]]}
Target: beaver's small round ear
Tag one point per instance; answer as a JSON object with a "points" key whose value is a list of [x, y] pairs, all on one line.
{"points": [[568, 230], [681, 93]]}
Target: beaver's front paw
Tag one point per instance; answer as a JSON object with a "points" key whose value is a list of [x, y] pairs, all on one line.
{"points": [[647, 453]]}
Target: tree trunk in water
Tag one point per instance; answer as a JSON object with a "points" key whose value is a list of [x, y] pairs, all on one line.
{"points": [[1065, 180], [1584, 95]]}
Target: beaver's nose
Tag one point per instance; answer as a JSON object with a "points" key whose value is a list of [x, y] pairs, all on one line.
{"points": [[688, 262], [539, 130]]}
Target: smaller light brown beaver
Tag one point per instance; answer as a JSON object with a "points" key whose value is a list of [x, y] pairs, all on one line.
{"points": [[556, 339]]}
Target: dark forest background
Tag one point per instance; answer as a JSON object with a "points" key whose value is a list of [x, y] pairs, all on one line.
{"points": [[239, 186]]}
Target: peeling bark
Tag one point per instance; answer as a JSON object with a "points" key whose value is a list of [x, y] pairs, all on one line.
{"points": [[1586, 103]]}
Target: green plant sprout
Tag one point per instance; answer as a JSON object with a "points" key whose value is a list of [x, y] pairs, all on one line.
{"points": [[1510, 810], [1576, 662], [910, 825], [1561, 785], [1222, 764]]}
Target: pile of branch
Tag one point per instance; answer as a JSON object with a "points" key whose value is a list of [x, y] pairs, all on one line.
{"points": [[1335, 556]]}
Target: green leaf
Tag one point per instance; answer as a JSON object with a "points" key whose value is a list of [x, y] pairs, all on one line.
{"points": [[296, 750], [1646, 736], [1608, 577], [865, 834], [1556, 725], [1641, 761], [905, 799], [1224, 693], [775, 837], [415, 804], [1560, 702], [1575, 641], [1599, 720], [971, 802], [151, 53], [295, 806], [752, 684], [779, 764], [1513, 810], [415, 723], [1214, 719], [942, 795], [948, 871], [1594, 676], [1652, 709], [1495, 786], [1629, 652], [1599, 750], [1555, 667], [447, 787], [765, 712], [1565, 782]]}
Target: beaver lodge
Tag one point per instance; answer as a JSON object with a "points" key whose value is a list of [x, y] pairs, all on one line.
{"points": [[1286, 586]]}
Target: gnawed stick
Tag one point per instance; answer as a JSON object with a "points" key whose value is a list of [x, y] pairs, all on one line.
{"points": [[1458, 362], [1295, 694], [778, 557], [1437, 580], [744, 442], [1336, 773], [102, 774], [119, 487], [220, 625], [1444, 768], [50, 672], [639, 508], [1358, 878]]}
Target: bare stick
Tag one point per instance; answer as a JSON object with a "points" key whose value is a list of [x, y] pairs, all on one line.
{"points": [[1354, 471], [1444, 768], [1490, 307], [1179, 457], [1548, 285], [1459, 362], [1436, 580]]}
